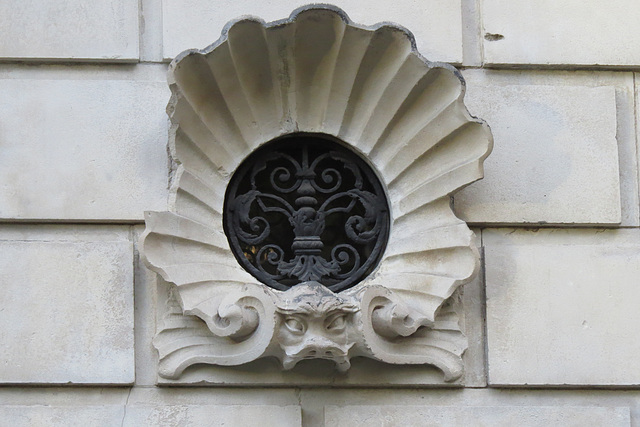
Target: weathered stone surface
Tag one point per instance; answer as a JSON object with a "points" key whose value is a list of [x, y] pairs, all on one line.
{"points": [[436, 24], [70, 396], [67, 307], [569, 32], [151, 415], [213, 415], [555, 157], [561, 305], [151, 31], [82, 149], [454, 416], [559, 407], [61, 416], [69, 30]]}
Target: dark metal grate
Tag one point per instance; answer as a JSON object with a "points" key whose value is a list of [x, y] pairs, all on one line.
{"points": [[306, 208]]}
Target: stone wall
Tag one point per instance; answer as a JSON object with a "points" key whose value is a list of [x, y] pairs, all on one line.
{"points": [[83, 136]]}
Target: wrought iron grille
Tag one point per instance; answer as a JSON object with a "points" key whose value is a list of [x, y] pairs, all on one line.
{"points": [[306, 208]]}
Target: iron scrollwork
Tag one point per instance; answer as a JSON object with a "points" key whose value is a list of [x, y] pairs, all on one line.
{"points": [[305, 208]]}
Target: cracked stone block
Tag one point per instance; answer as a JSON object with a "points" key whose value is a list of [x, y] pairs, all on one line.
{"points": [[67, 306], [562, 307], [436, 24], [82, 149], [561, 33], [70, 30]]}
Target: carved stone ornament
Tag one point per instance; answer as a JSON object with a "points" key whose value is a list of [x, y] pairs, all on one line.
{"points": [[316, 76]]}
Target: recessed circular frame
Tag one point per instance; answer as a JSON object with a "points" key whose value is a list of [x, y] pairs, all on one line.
{"points": [[317, 73], [306, 208]]}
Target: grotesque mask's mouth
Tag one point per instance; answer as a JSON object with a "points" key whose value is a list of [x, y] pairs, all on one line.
{"points": [[340, 358], [315, 350]]}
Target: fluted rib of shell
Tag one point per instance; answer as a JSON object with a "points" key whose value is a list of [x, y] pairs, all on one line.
{"points": [[318, 72]]}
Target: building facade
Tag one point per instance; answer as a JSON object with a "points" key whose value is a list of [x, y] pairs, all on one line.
{"points": [[550, 318]]}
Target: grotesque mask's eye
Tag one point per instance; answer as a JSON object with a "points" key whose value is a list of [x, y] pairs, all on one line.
{"points": [[295, 325], [336, 322]]}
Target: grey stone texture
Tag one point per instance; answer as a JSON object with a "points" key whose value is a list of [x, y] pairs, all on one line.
{"points": [[454, 416], [555, 158], [562, 307], [564, 33], [213, 415], [151, 415], [70, 30], [82, 149], [436, 24], [521, 405], [67, 305]]}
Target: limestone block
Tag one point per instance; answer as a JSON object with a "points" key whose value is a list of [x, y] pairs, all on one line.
{"points": [[475, 372], [61, 416], [69, 30], [151, 31], [436, 24], [561, 305], [82, 149], [213, 415], [151, 415], [555, 157], [568, 32], [67, 305], [454, 416]]}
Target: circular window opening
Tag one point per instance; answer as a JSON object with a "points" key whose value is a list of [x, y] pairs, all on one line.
{"points": [[306, 208]]}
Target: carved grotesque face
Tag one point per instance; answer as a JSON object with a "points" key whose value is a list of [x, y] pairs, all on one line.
{"points": [[315, 323]]}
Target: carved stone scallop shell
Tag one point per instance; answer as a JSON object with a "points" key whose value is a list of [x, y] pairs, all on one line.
{"points": [[320, 73]]}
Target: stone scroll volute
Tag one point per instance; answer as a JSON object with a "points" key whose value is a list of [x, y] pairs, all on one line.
{"points": [[316, 73]]}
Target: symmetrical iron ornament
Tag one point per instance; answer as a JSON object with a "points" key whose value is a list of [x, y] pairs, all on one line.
{"points": [[305, 208]]}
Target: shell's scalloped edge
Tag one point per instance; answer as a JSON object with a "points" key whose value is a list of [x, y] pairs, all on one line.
{"points": [[345, 18], [292, 18]]}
